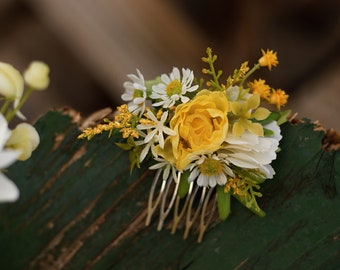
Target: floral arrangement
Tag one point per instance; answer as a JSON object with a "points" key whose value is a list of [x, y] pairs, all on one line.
{"points": [[208, 139], [17, 144]]}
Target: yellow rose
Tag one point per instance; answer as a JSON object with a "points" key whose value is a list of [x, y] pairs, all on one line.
{"points": [[201, 125]]}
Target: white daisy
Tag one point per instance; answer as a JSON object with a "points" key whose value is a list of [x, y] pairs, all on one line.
{"points": [[253, 152], [173, 88], [156, 128], [8, 190], [167, 168], [135, 93], [209, 170]]}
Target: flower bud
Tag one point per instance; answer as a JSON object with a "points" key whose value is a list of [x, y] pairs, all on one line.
{"points": [[11, 82], [36, 76], [25, 138]]}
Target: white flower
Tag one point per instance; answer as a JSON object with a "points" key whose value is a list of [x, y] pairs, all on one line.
{"points": [[235, 93], [37, 75], [11, 84], [157, 128], [8, 190], [24, 138], [147, 147], [253, 152], [209, 170], [135, 93], [167, 167], [173, 88]]}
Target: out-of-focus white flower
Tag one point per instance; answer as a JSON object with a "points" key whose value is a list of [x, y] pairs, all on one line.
{"points": [[8, 190], [135, 93], [24, 138], [37, 75], [11, 84]]}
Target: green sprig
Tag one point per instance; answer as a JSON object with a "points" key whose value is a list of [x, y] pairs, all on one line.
{"points": [[210, 60]]}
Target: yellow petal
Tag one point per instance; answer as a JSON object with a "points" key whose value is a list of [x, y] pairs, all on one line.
{"points": [[238, 129], [235, 107], [260, 114], [254, 101], [256, 128]]}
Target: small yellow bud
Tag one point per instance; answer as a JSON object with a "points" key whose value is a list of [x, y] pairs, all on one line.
{"points": [[278, 97], [25, 138], [268, 59], [205, 71], [36, 76], [11, 82]]}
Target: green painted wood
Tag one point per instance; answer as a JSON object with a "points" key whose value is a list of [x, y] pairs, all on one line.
{"points": [[81, 209]]}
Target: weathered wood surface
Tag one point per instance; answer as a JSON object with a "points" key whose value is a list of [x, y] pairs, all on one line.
{"points": [[81, 209]]}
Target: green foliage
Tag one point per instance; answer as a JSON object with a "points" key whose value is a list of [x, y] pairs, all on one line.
{"points": [[184, 185], [223, 203], [214, 83]]}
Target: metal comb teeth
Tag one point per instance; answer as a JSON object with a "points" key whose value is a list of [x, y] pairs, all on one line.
{"points": [[194, 211]]}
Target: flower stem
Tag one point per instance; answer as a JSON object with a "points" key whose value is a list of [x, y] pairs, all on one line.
{"points": [[256, 67], [5, 106], [12, 113]]}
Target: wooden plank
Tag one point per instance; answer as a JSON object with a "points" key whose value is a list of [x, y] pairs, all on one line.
{"points": [[81, 209]]}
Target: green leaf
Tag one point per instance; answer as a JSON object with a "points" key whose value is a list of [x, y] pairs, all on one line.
{"points": [[124, 146], [184, 185], [268, 132], [283, 117], [79, 208], [223, 203], [251, 203], [279, 116]]}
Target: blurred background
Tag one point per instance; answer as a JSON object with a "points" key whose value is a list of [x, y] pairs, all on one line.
{"points": [[90, 46]]}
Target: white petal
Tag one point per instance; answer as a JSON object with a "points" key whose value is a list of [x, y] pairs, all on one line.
{"points": [[176, 74], [9, 192], [193, 175], [273, 126], [243, 161], [202, 180], [268, 171], [150, 136], [8, 157], [144, 152], [212, 181], [5, 133]]}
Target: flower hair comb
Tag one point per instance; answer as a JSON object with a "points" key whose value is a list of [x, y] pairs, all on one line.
{"points": [[206, 139]]}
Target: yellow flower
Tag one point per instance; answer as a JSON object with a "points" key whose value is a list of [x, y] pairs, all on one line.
{"points": [[25, 138], [201, 126], [278, 97], [36, 76], [260, 87], [268, 59], [242, 110], [89, 133]]}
